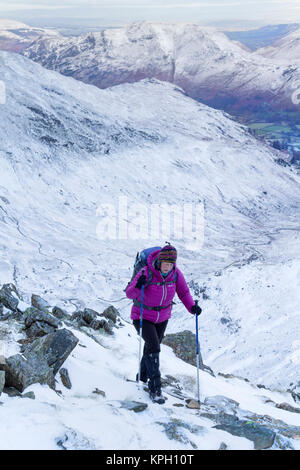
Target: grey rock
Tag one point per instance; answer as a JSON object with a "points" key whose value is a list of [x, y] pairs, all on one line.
{"points": [[108, 327], [99, 392], [33, 314], [192, 404], [222, 403], [12, 392], [184, 347], [9, 296], [286, 430], [223, 446], [76, 316], [97, 324], [287, 407], [53, 348], [39, 329], [59, 313], [29, 395], [65, 378], [262, 437], [2, 363], [174, 430], [39, 303], [89, 315], [296, 393], [111, 313], [21, 372], [2, 381], [135, 406]]}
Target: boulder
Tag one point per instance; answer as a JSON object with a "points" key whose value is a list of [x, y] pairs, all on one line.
{"points": [[262, 437], [59, 313], [39, 329], [54, 348], [39, 322], [41, 360], [222, 403], [296, 393], [21, 372], [111, 313], [33, 314], [89, 315], [9, 296], [65, 378], [134, 406], [98, 324], [38, 302], [184, 347]]}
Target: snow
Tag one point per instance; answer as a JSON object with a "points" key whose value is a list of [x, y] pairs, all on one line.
{"points": [[151, 143]]}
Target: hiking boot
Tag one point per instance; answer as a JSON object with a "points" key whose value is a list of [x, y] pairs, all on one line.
{"points": [[157, 397]]}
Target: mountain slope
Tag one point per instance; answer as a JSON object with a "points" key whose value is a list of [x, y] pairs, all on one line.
{"points": [[286, 49], [16, 36], [203, 61], [68, 148]]}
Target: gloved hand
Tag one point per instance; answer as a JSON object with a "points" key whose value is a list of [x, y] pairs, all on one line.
{"points": [[141, 281], [196, 310]]}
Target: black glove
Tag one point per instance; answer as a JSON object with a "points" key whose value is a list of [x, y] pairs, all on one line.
{"points": [[196, 310], [141, 281]]}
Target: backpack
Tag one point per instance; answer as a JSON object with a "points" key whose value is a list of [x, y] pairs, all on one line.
{"points": [[141, 261]]}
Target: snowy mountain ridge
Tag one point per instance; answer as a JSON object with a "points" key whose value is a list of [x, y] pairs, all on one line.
{"points": [[16, 36], [203, 61], [286, 50]]}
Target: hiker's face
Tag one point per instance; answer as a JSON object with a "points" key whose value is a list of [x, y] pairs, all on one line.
{"points": [[166, 267]]}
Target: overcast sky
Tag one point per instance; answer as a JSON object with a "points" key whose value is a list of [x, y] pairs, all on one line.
{"points": [[124, 11]]}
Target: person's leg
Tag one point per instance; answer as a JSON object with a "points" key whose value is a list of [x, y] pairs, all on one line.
{"points": [[151, 356], [152, 344]]}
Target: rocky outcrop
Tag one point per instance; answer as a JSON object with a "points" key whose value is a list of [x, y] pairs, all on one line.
{"points": [[40, 361], [21, 372], [184, 347], [39, 322], [104, 321], [54, 348]]}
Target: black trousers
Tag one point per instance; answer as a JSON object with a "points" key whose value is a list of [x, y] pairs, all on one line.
{"points": [[152, 334]]}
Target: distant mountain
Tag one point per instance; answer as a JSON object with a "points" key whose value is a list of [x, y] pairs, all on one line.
{"points": [[201, 60], [286, 49], [262, 37], [16, 36]]}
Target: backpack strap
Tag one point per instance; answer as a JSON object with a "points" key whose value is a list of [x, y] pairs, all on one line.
{"points": [[137, 303]]}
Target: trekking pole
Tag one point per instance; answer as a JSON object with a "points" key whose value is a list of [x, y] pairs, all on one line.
{"points": [[197, 354], [141, 326]]}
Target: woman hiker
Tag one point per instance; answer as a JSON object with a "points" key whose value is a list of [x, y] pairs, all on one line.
{"points": [[165, 280]]}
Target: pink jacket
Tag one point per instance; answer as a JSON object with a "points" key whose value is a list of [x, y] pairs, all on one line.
{"points": [[159, 295]]}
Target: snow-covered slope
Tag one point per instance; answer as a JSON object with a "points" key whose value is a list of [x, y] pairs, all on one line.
{"points": [[286, 49], [104, 411], [66, 148], [202, 60], [16, 36]]}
